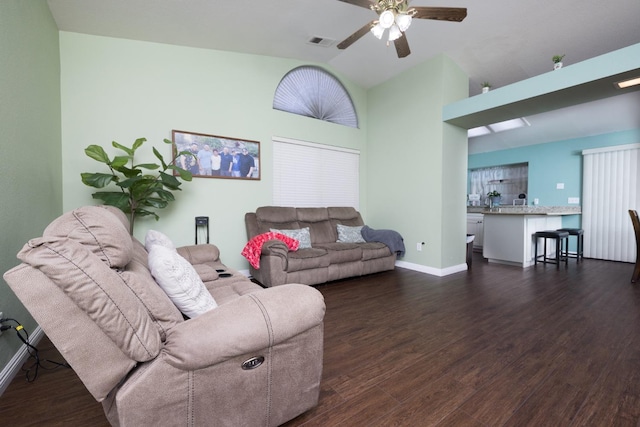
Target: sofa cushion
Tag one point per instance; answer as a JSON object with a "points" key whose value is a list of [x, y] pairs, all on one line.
{"points": [[206, 272], [301, 235], [317, 219], [345, 216], [342, 252], [180, 281], [269, 217], [348, 234], [98, 291], [97, 229], [373, 250], [163, 312], [305, 259]]}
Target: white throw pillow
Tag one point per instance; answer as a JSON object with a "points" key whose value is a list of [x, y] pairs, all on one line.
{"points": [[302, 235], [154, 237], [180, 281], [347, 234]]}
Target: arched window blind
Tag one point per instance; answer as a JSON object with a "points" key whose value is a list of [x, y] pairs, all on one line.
{"points": [[306, 174], [313, 92]]}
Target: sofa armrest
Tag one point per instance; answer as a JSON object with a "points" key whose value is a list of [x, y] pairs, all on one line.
{"points": [[248, 324], [199, 254], [275, 247]]}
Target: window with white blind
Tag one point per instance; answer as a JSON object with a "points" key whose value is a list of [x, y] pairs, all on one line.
{"points": [[307, 174], [610, 187]]}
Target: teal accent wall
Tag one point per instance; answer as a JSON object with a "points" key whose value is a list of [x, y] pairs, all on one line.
{"points": [[552, 163], [31, 190]]}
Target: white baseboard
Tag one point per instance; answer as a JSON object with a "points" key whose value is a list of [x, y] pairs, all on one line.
{"points": [[430, 270], [15, 364]]}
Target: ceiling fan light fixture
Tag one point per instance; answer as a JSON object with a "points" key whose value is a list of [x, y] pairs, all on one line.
{"points": [[394, 33], [387, 18], [403, 21], [377, 30]]}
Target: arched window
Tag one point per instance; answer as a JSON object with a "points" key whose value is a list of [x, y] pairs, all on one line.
{"points": [[313, 92]]}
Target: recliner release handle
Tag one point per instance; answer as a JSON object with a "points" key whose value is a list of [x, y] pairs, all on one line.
{"points": [[252, 363]]}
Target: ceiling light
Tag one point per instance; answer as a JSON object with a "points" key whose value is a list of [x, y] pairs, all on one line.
{"points": [[394, 33], [394, 15], [628, 83], [387, 18], [403, 21], [377, 30]]}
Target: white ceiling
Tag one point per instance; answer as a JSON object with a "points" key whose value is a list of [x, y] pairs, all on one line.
{"points": [[500, 41]]}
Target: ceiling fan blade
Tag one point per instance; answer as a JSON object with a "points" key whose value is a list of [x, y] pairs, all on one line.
{"points": [[455, 14], [355, 36], [362, 3], [402, 46]]}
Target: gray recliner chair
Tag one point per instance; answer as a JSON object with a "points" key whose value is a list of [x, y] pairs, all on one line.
{"points": [[254, 360]]}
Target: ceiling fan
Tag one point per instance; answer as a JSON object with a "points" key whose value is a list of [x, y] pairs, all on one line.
{"points": [[396, 16]]}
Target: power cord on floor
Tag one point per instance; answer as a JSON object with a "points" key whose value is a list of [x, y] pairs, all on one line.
{"points": [[31, 372]]}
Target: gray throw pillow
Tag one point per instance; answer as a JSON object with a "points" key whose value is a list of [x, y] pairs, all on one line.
{"points": [[347, 234], [302, 235]]}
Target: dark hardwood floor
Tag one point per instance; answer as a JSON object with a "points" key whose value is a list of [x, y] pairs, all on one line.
{"points": [[494, 346]]}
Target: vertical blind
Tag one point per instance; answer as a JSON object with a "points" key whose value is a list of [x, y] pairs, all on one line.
{"points": [[307, 174], [610, 189]]}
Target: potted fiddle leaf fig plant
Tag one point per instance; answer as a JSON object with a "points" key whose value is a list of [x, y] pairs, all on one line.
{"points": [[137, 192]]}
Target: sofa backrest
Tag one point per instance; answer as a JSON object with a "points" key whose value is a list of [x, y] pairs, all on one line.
{"points": [[322, 222], [320, 227], [86, 283]]}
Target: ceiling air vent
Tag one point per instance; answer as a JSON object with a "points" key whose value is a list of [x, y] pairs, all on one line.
{"points": [[321, 41]]}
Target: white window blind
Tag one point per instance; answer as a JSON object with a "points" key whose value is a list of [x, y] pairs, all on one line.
{"points": [[611, 187], [307, 174]]}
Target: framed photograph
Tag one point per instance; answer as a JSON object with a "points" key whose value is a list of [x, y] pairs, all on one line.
{"points": [[216, 156]]}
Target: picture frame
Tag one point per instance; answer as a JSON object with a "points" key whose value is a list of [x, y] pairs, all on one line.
{"points": [[238, 158]]}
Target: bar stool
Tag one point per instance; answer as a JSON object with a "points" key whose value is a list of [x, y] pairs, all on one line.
{"points": [[561, 238], [579, 233]]}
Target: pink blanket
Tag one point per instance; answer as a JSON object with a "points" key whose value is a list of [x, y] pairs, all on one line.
{"points": [[253, 248]]}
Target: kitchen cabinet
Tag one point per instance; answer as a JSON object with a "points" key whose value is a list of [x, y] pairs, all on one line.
{"points": [[475, 226], [509, 236]]}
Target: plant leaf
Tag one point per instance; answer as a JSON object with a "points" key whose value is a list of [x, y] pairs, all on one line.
{"points": [[159, 156], [170, 181], [97, 153], [165, 195], [114, 198], [138, 142], [128, 172], [127, 150], [97, 180], [151, 166], [119, 161], [185, 175]]}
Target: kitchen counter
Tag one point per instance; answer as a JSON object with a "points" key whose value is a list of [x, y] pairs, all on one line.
{"points": [[508, 231], [526, 210]]}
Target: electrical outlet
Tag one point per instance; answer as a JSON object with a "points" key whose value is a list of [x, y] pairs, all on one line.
{"points": [[418, 247]]}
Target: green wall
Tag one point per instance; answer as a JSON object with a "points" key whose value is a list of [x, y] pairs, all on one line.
{"points": [[417, 164], [116, 89], [30, 141]]}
